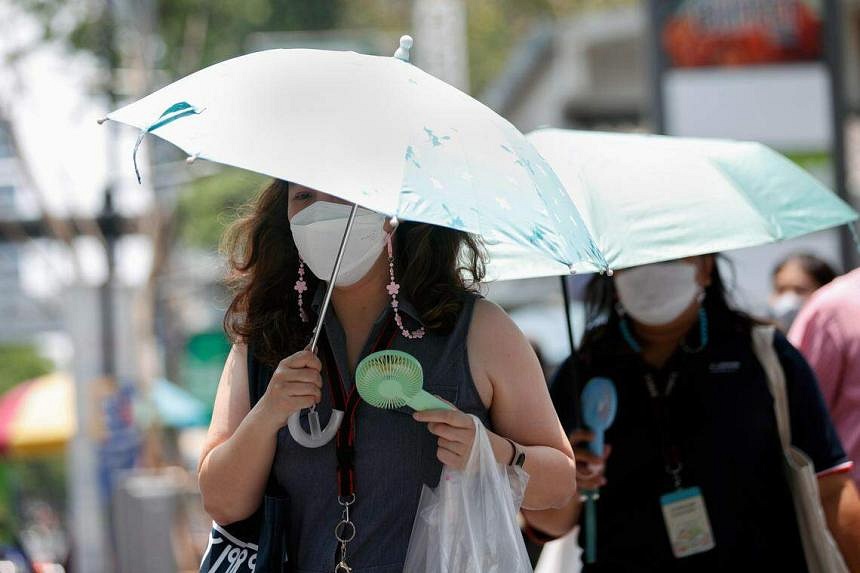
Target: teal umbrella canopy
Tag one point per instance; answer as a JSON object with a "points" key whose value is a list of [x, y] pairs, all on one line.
{"points": [[177, 408], [649, 198], [379, 132]]}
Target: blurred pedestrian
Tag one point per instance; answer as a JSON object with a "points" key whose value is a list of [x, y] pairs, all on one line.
{"points": [[827, 332], [795, 278], [695, 425], [405, 289]]}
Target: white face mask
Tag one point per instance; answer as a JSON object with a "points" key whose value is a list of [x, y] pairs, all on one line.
{"points": [[659, 293], [318, 230], [784, 308]]}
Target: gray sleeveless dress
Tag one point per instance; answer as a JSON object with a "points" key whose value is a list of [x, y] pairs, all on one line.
{"points": [[395, 456]]}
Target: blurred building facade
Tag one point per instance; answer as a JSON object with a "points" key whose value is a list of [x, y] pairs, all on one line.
{"points": [[597, 71]]}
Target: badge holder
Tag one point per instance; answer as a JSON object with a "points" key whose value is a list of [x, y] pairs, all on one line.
{"points": [[599, 406], [686, 518]]}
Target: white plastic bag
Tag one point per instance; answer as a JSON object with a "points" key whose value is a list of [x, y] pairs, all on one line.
{"points": [[468, 524], [562, 555]]}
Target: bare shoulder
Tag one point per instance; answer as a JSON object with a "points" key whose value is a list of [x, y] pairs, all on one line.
{"points": [[497, 348], [504, 365], [491, 327]]}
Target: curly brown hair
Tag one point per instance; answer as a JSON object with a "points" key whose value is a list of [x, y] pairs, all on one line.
{"points": [[437, 267]]}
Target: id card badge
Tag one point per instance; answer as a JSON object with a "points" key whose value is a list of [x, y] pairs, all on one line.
{"points": [[687, 522]]}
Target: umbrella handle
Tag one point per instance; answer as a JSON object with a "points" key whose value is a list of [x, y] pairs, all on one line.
{"points": [[318, 436]]}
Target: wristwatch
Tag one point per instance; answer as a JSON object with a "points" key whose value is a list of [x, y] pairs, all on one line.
{"points": [[519, 457]]}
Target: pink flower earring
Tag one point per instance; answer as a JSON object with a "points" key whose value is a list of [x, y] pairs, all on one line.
{"points": [[393, 289], [301, 287]]}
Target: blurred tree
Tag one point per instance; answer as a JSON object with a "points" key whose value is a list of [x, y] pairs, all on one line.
{"points": [[19, 362], [208, 205], [191, 34]]}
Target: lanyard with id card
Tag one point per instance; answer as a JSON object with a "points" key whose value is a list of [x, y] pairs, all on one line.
{"points": [[684, 510]]}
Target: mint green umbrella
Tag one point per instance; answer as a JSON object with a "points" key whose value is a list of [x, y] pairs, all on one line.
{"points": [[176, 407], [650, 198]]}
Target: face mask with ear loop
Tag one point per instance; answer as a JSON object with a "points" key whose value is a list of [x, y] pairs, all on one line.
{"points": [[785, 308], [318, 229], [658, 293]]}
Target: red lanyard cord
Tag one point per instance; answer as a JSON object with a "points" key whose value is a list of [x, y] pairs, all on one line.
{"points": [[348, 403]]}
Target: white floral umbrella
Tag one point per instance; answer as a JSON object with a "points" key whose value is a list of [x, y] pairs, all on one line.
{"points": [[381, 133]]}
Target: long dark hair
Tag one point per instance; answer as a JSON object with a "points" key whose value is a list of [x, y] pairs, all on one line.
{"points": [[602, 318], [436, 267], [816, 268]]}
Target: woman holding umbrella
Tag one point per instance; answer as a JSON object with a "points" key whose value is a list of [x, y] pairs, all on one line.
{"points": [[379, 133], [401, 287], [695, 425]]}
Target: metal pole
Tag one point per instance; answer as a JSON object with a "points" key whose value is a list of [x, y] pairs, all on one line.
{"points": [[658, 64], [568, 319], [110, 232], [440, 30], [327, 299], [833, 57], [91, 549]]}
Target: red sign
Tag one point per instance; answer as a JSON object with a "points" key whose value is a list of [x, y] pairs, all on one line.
{"points": [[742, 32]]}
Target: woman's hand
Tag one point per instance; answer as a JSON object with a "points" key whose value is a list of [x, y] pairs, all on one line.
{"points": [[589, 468], [456, 435], [295, 384]]}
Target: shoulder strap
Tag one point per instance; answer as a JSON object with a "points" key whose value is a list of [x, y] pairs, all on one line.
{"points": [[256, 388], [762, 339]]}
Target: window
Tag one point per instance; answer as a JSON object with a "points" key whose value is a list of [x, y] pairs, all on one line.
{"points": [[7, 201], [8, 262], [5, 141]]}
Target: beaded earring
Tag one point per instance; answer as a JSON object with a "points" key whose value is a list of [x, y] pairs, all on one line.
{"points": [[393, 289], [301, 287]]}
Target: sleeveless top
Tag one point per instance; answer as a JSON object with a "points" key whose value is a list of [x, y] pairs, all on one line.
{"points": [[395, 456]]}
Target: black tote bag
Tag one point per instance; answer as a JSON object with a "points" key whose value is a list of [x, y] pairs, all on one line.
{"points": [[256, 544]]}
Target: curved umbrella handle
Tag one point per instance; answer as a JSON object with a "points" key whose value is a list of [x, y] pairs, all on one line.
{"points": [[317, 436]]}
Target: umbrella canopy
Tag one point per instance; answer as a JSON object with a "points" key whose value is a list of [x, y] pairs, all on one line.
{"points": [[379, 132], [37, 417], [176, 407], [649, 198]]}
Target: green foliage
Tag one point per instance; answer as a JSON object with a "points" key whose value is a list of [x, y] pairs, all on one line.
{"points": [[197, 33], [19, 362], [208, 205]]}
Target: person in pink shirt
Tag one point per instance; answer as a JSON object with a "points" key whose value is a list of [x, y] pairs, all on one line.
{"points": [[827, 332]]}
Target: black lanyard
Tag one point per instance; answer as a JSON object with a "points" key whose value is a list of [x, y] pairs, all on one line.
{"points": [[348, 404], [660, 408]]}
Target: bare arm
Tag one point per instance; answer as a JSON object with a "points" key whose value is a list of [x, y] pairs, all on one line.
{"points": [[237, 457], [841, 505], [507, 372]]}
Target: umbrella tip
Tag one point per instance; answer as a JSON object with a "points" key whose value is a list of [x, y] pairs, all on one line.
{"points": [[101, 120], [402, 52], [192, 158], [609, 272]]}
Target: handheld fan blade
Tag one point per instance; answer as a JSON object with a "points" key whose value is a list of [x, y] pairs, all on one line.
{"points": [[391, 379], [599, 406]]}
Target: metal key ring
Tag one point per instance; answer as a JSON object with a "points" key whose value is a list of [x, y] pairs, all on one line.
{"points": [[342, 528], [346, 500]]}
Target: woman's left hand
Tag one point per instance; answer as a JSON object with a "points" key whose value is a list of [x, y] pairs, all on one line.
{"points": [[455, 432]]}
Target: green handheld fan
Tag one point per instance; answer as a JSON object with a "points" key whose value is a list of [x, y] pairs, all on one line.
{"points": [[391, 379]]}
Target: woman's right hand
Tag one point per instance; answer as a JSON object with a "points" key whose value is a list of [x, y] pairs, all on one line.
{"points": [[589, 468], [296, 384]]}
